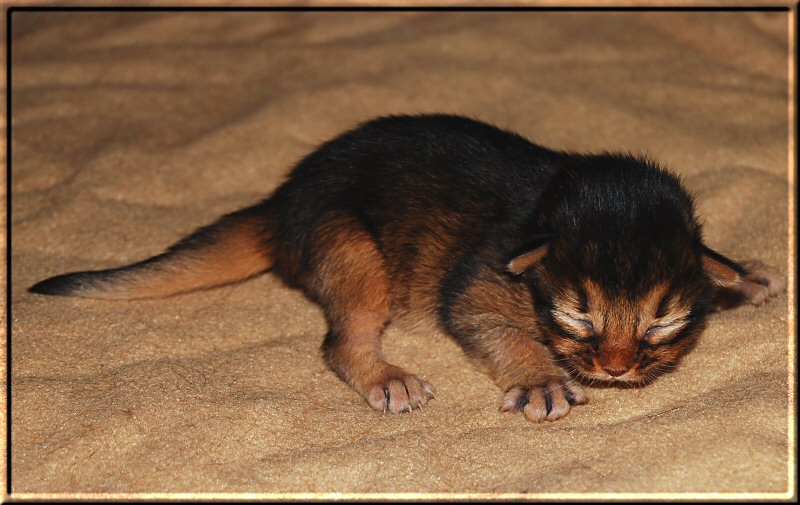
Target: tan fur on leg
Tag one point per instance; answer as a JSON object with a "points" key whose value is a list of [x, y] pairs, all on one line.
{"points": [[353, 287]]}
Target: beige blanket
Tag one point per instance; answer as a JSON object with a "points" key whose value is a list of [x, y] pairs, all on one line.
{"points": [[132, 129]]}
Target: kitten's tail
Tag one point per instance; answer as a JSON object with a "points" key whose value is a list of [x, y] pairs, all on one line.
{"points": [[239, 245]]}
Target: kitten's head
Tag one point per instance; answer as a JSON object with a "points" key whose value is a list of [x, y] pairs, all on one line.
{"points": [[622, 335], [620, 284], [626, 320]]}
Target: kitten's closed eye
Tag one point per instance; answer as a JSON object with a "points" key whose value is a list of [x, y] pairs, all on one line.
{"points": [[663, 330], [669, 317], [577, 325], [654, 329], [587, 324]]}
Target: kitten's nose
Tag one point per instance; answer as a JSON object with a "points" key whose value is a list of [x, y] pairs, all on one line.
{"points": [[615, 371]]}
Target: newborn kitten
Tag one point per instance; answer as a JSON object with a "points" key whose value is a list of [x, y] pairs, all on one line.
{"points": [[537, 262]]}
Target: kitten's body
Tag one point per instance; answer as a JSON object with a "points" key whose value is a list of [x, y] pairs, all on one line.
{"points": [[524, 255]]}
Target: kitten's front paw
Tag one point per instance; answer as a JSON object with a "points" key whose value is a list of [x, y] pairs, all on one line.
{"points": [[761, 283], [544, 403]]}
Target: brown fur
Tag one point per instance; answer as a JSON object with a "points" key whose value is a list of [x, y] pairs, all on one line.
{"points": [[238, 253], [351, 283], [527, 260], [722, 274]]}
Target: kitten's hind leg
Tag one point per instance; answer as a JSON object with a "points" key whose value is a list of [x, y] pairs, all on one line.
{"points": [[351, 283], [744, 282], [760, 274]]}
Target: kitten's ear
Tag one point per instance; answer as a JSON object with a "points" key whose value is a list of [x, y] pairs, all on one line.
{"points": [[720, 269], [526, 260]]}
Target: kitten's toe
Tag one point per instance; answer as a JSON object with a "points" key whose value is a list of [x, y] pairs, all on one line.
{"points": [[762, 274], [754, 292], [543, 403], [575, 395]]}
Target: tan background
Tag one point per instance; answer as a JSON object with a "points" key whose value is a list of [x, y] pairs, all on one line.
{"points": [[132, 129]]}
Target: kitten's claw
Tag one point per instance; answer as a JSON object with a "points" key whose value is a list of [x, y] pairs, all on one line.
{"points": [[543, 403]]}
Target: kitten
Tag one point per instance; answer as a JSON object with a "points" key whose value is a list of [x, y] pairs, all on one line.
{"points": [[538, 262]]}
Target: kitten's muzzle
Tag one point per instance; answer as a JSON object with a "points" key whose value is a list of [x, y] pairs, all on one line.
{"points": [[614, 371], [617, 362]]}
